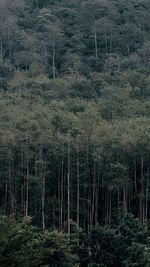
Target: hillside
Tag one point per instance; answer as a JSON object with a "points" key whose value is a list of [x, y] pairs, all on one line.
{"points": [[75, 118]]}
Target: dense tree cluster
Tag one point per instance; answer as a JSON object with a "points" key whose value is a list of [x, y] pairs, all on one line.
{"points": [[75, 116], [21, 244]]}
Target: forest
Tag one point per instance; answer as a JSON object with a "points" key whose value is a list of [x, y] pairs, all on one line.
{"points": [[75, 133]]}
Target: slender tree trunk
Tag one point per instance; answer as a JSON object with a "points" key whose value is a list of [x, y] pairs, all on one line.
{"points": [[147, 192], [42, 178], [96, 198], [11, 186], [93, 194], [106, 207], [124, 200], [59, 201], [129, 194], [43, 201], [6, 194], [54, 213], [106, 45], [90, 200], [78, 188], [22, 197], [22, 182], [10, 44], [142, 191], [54, 51], [110, 204], [110, 46], [68, 184], [95, 40], [135, 177], [86, 204], [62, 193], [45, 52], [37, 3], [118, 202], [27, 177], [1, 53], [64, 198], [128, 49]]}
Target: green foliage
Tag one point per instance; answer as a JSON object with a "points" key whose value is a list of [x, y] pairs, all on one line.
{"points": [[23, 245], [124, 245], [17, 243], [74, 131]]}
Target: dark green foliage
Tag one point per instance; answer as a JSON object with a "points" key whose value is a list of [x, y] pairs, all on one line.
{"points": [[75, 131], [17, 243], [123, 245], [23, 245]]}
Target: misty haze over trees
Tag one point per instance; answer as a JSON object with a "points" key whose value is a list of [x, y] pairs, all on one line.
{"points": [[75, 133]]}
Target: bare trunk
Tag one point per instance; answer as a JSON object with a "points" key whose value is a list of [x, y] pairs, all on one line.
{"points": [[96, 45], [78, 188], [42, 178], [22, 197], [22, 183], [118, 202], [106, 45], [110, 46], [110, 204], [10, 44], [106, 207], [37, 3], [128, 49], [61, 189], [59, 201], [86, 204], [11, 186], [147, 192], [54, 68], [142, 192], [124, 200], [96, 199], [93, 195], [43, 202], [27, 180], [6, 194], [1, 53], [68, 184], [135, 177]]}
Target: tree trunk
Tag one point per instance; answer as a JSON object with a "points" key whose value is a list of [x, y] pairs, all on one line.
{"points": [[93, 195], [106, 45], [124, 200], [37, 4], [68, 185], [147, 192], [96, 198], [95, 40], [27, 179], [11, 187], [61, 189], [6, 194], [106, 207], [135, 177], [78, 188], [142, 192], [43, 201], [86, 204], [110, 46], [42, 177], [10, 44], [54, 68], [1, 53], [110, 204]]}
